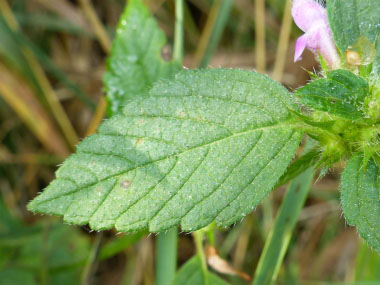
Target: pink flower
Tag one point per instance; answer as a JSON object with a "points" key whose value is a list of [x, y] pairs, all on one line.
{"points": [[311, 17]]}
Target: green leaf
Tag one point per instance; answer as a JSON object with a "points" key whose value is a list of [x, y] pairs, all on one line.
{"points": [[191, 273], [209, 145], [135, 62], [342, 93], [350, 19], [218, 16], [361, 199]]}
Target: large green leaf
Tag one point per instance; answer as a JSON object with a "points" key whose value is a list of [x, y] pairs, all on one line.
{"points": [[191, 273], [206, 146], [342, 93], [361, 199], [135, 62], [350, 19]]}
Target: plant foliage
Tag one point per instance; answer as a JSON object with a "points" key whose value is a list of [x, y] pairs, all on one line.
{"points": [[208, 145]]}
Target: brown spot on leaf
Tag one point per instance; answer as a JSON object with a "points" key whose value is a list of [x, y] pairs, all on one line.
{"points": [[125, 184]]}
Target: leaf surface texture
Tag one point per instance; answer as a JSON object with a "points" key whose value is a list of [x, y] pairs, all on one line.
{"points": [[208, 145], [361, 199], [136, 60]]}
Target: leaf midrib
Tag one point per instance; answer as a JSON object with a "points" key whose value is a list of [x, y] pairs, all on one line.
{"points": [[290, 125], [211, 192]]}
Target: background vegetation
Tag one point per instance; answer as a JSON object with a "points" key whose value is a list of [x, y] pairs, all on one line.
{"points": [[52, 59]]}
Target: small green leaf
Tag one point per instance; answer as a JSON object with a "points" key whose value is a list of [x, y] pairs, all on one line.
{"points": [[342, 93], [360, 196], [209, 145], [136, 59], [191, 273], [350, 19]]}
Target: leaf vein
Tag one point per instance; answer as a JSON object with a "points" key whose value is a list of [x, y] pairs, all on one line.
{"points": [[183, 184], [260, 171], [103, 200], [172, 155], [148, 191], [227, 176]]}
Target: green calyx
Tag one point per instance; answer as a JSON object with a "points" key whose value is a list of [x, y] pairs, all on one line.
{"points": [[344, 114], [340, 138]]}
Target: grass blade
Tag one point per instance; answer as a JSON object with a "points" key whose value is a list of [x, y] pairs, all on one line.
{"points": [[367, 264], [58, 73], [213, 30], [278, 239], [18, 94], [66, 10], [283, 43], [52, 99], [92, 261], [119, 244], [98, 27], [260, 35], [198, 239], [300, 165], [43, 82]]}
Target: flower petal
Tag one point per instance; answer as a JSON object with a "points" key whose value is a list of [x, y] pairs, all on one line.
{"points": [[328, 49], [311, 17], [307, 12], [300, 46]]}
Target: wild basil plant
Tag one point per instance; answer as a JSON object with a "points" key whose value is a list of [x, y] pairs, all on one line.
{"points": [[191, 148]]}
